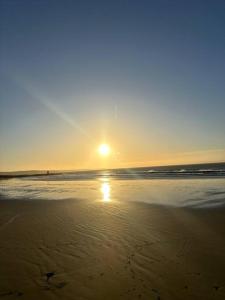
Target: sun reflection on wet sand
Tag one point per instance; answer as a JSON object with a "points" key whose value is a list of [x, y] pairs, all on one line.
{"points": [[105, 189]]}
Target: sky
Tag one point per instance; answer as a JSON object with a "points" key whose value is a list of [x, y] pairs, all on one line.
{"points": [[145, 77]]}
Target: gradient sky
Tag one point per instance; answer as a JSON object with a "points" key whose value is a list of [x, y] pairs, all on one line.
{"points": [[147, 77]]}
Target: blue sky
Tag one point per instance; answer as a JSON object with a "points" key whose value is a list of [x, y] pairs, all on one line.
{"points": [[145, 76]]}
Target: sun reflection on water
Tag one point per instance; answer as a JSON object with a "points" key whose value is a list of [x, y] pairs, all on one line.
{"points": [[105, 189]]}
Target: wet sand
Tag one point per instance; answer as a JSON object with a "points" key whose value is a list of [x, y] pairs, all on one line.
{"points": [[77, 249]]}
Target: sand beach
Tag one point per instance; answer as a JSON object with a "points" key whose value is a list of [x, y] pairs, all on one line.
{"points": [[80, 249]]}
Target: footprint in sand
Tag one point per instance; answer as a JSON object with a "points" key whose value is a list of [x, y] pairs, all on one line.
{"points": [[50, 285], [49, 275], [60, 285]]}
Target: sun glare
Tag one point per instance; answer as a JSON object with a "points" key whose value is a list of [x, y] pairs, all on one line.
{"points": [[105, 189], [104, 149]]}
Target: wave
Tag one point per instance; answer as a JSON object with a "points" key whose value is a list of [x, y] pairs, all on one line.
{"points": [[182, 171], [140, 173]]}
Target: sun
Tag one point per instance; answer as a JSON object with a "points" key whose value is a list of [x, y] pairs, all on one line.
{"points": [[104, 150]]}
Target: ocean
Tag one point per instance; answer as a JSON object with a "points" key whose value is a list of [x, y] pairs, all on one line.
{"points": [[196, 186]]}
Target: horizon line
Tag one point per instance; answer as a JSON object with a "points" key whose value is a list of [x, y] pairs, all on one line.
{"points": [[116, 168]]}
